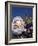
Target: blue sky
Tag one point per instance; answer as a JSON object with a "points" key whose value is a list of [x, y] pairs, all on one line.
{"points": [[21, 11]]}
